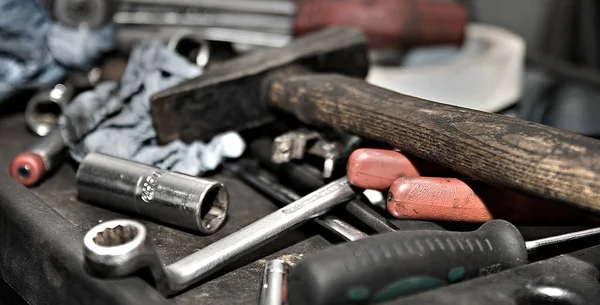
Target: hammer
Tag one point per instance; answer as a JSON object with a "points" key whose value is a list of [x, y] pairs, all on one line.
{"points": [[505, 152]]}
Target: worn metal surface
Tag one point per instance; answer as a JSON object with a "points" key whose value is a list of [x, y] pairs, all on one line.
{"points": [[238, 284], [193, 203]]}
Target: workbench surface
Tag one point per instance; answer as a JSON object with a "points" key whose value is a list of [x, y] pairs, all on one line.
{"points": [[239, 284]]}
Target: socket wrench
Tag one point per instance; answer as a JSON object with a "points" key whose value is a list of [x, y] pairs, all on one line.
{"points": [[185, 201], [46, 106], [194, 49], [131, 248]]}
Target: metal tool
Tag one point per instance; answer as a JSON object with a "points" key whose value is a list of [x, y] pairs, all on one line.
{"points": [[85, 80], [181, 200], [105, 258], [187, 44], [30, 167], [307, 178], [82, 13], [267, 23], [46, 106], [328, 150], [273, 282], [387, 266], [287, 196], [516, 155], [292, 145], [120, 247], [129, 36], [252, 6]]}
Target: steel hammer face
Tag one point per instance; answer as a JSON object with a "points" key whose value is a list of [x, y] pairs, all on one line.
{"points": [[233, 97]]}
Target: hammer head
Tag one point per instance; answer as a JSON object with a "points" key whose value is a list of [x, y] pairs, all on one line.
{"points": [[231, 97]]}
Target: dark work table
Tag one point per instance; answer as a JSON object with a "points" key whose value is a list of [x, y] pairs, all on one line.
{"points": [[239, 284], [41, 257]]}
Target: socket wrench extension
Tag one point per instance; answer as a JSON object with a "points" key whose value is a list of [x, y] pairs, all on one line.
{"points": [[133, 252], [31, 166], [181, 200]]}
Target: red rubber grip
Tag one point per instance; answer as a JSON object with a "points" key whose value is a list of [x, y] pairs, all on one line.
{"points": [[377, 169], [388, 24], [33, 165], [450, 199]]}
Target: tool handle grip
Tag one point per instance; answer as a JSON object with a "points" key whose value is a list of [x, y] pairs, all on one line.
{"points": [[502, 151], [391, 265], [388, 24]]}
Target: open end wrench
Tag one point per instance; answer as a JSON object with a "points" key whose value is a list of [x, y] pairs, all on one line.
{"points": [[133, 252]]}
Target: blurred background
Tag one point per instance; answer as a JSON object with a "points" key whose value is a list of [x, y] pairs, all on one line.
{"points": [[534, 59]]}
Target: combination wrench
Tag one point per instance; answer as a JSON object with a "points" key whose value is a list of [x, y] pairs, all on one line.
{"points": [[121, 247]]}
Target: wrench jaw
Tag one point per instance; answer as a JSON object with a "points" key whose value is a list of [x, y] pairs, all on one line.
{"points": [[120, 248]]}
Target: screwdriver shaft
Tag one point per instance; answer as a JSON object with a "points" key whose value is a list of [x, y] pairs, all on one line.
{"points": [[533, 245]]}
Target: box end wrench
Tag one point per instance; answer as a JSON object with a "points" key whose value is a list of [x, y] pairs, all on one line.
{"points": [[128, 250]]}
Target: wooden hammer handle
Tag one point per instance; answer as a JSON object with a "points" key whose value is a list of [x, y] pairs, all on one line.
{"points": [[502, 151]]}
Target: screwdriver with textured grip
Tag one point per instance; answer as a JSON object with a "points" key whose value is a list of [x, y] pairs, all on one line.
{"points": [[391, 265]]}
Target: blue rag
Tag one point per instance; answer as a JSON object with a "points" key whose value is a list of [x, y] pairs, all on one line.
{"points": [[114, 118], [35, 52]]}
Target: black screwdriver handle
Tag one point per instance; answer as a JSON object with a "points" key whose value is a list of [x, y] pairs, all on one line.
{"points": [[390, 265]]}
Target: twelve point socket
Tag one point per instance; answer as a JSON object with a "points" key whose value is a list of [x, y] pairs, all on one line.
{"points": [[121, 247], [181, 200]]}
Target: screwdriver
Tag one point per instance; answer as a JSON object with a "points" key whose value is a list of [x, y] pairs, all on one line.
{"points": [[465, 200], [391, 265]]}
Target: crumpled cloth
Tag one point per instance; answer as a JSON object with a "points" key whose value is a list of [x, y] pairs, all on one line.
{"points": [[35, 52], [114, 118]]}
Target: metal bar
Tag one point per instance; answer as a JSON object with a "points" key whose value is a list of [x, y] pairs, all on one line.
{"points": [[273, 282], [360, 210], [215, 256], [533, 245], [127, 36], [275, 24], [250, 6]]}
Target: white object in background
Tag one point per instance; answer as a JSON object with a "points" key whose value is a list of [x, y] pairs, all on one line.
{"points": [[376, 198], [486, 74]]}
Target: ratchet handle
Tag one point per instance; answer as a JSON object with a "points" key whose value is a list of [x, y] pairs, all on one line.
{"points": [[391, 265], [388, 24]]}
